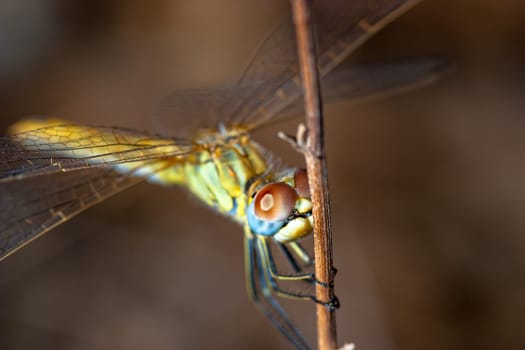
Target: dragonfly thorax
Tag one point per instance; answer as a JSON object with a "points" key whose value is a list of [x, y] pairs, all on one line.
{"points": [[219, 171]]}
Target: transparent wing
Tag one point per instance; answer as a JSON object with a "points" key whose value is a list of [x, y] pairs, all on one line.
{"points": [[341, 27], [53, 172], [379, 79], [32, 206], [359, 83], [271, 82], [67, 147], [373, 81], [200, 108]]}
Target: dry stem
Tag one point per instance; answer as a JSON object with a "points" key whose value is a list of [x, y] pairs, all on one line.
{"points": [[317, 174]]}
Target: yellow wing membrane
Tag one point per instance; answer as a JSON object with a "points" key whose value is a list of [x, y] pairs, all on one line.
{"points": [[42, 147], [51, 171]]}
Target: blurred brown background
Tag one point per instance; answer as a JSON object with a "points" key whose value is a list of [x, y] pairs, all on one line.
{"points": [[427, 188]]}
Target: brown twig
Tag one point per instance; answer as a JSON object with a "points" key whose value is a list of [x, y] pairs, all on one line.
{"points": [[317, 174]]}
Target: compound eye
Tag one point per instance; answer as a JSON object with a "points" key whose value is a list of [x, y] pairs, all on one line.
{"points": [[301, 183], [275, 201]]}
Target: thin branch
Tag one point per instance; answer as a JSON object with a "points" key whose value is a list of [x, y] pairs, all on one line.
{"points": [[317, 174]]}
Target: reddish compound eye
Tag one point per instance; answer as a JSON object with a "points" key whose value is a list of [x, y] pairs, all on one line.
{"points": [[274, 201], [301, 183]]}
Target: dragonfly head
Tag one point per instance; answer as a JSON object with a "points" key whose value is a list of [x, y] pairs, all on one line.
{"points": [[282, 207]]}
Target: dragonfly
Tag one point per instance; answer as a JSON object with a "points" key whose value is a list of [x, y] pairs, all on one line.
{"points": [[52, 170]]}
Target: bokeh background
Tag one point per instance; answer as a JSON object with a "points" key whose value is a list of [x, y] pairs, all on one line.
{"points": [[427, 188]]}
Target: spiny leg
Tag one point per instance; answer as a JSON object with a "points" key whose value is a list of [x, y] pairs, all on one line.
{"points": [[260, 293], [304, 256], [263, 247], [301, 252], [290, 258], [272, 276]]}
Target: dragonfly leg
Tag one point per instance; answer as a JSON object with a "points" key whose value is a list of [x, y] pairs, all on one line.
{"points": [[300, 274], [301, 252], [261, 294], [272, 277], [264, 249], [290, 258]]}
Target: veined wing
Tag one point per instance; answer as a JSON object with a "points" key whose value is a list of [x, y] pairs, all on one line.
{"points": [[359, 83], [42, 147], [32, 206], [271, 82], [202, 108], [372, 81], [341, 27], [54, 171]]}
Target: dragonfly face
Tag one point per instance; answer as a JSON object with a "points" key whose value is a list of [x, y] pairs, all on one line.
{"points": [[281, 208]]}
